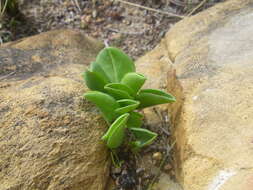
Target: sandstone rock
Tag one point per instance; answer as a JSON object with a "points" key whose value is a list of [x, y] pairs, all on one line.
{"points": [[49, 136], [207, 63]]}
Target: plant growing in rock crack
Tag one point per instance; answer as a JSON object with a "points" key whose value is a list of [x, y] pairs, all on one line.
{"points": [[116, 91]]}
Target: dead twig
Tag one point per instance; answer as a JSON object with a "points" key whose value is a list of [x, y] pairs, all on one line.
{"points": [[6, 76], [106, 43], [165, 131], [161, 165], [197, 7], [178, 3], [2, 9], [75, 2], [1, 41], [151, 9], [127, 33], [163, 121], [170, 61]]}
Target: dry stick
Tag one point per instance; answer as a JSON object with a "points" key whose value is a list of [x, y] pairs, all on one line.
{"points": [[151, 9], [178, 3], [170, 61], [6, 76], [161, 118], [161, 165], [130, 33], [1, 41], [2, 10], [106, 43], [165, 131], [77, 5], [197, 7]]}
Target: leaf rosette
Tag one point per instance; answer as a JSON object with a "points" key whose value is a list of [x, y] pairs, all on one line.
{"points": [[116, 91]]}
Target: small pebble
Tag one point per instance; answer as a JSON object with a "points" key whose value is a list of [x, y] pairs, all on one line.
{"points": [[157, 156], [108, 3], [117, 36], [140, 171], [172, 173], [94, 2], [88, 19], [167, 167], [127, 22], [83, 24], [116, 170], [95, 34], [94, 13], [67, 3], [99, 20], [115, 3]]}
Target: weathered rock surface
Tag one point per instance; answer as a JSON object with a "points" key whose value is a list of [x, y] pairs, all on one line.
{"points": [[49, 136], [207, 62]]}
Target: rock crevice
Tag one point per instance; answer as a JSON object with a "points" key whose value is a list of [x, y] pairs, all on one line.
{"points": [[210, 74]]}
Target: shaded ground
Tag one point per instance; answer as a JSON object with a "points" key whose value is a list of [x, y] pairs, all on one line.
{"points": [[133, 29]]}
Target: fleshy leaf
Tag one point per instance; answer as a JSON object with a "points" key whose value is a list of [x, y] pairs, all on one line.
{"points": [[120, 86], [134, 81], [115, 63], [127, 105], [151, 97], [115, 135], [134, 120], [118, 91], [106, 104], [143, 137], [96, 68], [94, 81]]}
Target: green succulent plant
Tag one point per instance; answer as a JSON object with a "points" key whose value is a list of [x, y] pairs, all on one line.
{"points": [[116, 91]]}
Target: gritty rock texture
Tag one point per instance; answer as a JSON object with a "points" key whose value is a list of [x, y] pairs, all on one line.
{"points": [[49, 136], [209, 61]]}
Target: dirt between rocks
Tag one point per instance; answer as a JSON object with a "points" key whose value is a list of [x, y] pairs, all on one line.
{"points": [[133, 29]]}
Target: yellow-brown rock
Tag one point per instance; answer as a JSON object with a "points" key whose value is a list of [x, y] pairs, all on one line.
{"points": [[207, 63], [49, 136]]}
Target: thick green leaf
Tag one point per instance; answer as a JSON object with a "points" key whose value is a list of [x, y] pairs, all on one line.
{"points": [[134, 81], [118, 91], [94, 81], [115, 135], [114, 63], [134, 120], [122, 87], [121, 120], [96, 68], [151, 97], [127, 105], [106, 104], [143, 137]]}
